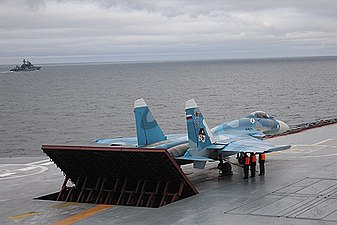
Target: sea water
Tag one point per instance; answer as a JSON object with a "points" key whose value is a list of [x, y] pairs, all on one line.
{"points": [[77, 103]]}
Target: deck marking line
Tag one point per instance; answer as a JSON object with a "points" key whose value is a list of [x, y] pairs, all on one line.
{"points": [[6, 174], [24, 215], [27, 168], [37, 162], [46, 164], [41, 170], [83, 215], [321, 142], [63, 205]]}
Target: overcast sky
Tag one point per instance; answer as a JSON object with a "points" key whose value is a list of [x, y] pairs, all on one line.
{"points": [[93, 31]]}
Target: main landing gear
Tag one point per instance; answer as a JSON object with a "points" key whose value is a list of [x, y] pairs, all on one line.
{"points": [[225, 168]]}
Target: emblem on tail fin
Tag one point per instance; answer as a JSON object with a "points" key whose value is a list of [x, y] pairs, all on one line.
{"points": [[202, 135]]}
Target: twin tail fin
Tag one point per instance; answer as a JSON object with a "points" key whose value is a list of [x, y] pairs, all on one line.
{"points": [[199, 134], [148, 130]]}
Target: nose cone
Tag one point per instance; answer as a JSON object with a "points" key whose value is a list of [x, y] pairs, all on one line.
{"points": [[283, 127]]}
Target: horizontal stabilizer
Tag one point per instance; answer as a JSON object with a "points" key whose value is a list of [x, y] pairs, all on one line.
{"points": [[110, 142], [258, 135], [195, 158], [127, 141], [279, 148], [216, 146]]}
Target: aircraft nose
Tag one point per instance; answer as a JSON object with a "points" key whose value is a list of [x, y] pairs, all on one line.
{"points": [[283, 127]]}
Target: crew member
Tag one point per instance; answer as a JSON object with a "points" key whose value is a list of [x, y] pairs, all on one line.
{"points": [[252, 164], [246, 164], [262, 159]]}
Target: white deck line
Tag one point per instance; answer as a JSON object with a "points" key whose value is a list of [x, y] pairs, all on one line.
{"points": [[46, 164], [27, 168], [321, 142], [6, 174], [38, 162]]}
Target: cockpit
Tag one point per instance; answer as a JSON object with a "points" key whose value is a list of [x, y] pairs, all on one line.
{"points": [[260, 114]]}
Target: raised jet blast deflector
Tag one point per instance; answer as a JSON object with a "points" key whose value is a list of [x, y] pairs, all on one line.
{"points": [[119, 176]]}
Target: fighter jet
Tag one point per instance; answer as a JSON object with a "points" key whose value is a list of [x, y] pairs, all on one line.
{"points": [[202, 144]]}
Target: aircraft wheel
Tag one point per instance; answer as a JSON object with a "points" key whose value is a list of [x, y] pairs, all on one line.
{"points": [[227, 169]]}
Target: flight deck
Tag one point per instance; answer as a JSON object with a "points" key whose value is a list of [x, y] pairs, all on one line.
{"points": [[299, 187]]}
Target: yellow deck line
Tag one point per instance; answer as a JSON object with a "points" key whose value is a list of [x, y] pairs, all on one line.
{"points": [[24, 215], [64, 204], [82, 215]]}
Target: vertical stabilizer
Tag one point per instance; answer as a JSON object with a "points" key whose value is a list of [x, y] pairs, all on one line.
{"points": [[148, 130], [199, 134]]}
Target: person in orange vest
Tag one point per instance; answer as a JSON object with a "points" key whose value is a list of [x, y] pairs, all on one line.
{"points": [[252, 164], [246, 164], [262, 159]]}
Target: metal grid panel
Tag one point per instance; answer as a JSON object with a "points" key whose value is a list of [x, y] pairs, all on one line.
{"points": [[120, 176]]}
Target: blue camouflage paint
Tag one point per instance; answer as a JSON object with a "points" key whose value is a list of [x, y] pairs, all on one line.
{"points": [[148, 130], [229, 138]]}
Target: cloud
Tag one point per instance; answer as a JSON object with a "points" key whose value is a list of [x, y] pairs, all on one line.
{"points": [[149, 28]]}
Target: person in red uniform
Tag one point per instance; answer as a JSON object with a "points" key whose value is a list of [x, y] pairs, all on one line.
{"points": [[252, 164], [246, 164], [262, 159]]}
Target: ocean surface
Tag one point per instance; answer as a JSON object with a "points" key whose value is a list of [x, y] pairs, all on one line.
{"points": [[75, 104]]}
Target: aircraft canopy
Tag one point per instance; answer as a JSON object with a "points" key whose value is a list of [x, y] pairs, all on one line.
{"points": [[260, 114]]}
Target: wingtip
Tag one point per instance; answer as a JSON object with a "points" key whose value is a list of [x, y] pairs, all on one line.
{"points": [[140, 103], [190, 104]]}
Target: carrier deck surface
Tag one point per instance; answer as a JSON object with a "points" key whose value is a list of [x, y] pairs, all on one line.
{"points": [[300, 187]]}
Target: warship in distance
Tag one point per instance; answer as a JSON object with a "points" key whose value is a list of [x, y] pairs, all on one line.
{"points": [[26, 66]]}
